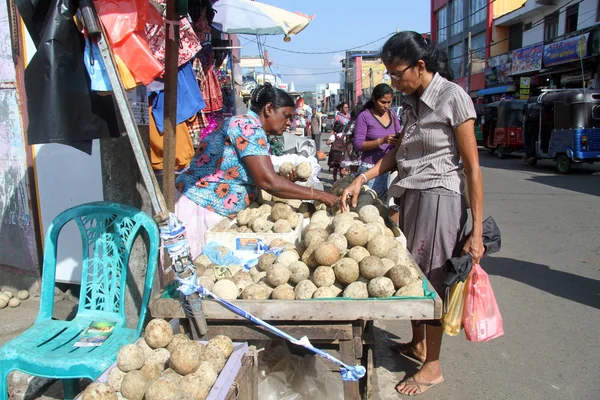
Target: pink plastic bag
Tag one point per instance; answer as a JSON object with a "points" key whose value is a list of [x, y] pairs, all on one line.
{"points": [[481, 316]]}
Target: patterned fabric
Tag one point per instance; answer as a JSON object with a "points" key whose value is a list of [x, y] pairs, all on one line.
{"points": [[343, 119], [189, 44], [217, 178], [194, 126], [428, 156]]}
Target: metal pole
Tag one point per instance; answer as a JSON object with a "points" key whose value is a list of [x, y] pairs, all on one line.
{"points": [[469, 63], [170, 116]]}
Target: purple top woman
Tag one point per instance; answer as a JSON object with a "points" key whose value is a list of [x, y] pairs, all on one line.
{"points": [[375, 134]]}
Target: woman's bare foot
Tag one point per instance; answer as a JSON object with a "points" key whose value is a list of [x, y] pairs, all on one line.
{"points": [[417, 351], [428, 376]]}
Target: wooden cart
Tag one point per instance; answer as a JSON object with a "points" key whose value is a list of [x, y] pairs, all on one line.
{"points": [[342, 327]]}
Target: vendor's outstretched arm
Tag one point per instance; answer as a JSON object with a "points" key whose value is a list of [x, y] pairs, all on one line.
{"points": [[265, 177], [386, 164]]}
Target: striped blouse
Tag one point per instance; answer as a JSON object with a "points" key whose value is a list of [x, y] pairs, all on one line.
{"points": [[428, 156]]}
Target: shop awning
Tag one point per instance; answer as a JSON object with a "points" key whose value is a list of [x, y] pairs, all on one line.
{"points": [[496, 90]]}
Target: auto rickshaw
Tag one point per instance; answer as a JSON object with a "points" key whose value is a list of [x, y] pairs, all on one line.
{"points": [[503, 129], [563, 125], [479, 109]]}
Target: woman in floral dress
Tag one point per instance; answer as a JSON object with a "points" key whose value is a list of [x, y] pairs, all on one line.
{"points": [[233, 163]]}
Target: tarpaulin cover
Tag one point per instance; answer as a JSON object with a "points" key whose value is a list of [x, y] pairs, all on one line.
{"points": [[61, 106]]}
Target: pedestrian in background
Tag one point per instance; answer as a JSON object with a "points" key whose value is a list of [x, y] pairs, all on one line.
{"points": [[375, 134], [315, 127], [438, 143], [337, 140]]}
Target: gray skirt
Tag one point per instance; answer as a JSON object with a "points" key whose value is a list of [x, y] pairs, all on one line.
{"points": [[434, 222]]}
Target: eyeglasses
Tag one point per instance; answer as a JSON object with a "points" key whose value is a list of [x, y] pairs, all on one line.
{"points": [[398, 76]]}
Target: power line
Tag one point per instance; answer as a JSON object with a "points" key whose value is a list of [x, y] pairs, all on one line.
{"points": [[326, 52], [315, 73], [277, 65]]}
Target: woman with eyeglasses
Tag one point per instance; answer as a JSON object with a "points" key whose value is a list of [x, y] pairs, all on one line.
{"points": [[437, 144]]}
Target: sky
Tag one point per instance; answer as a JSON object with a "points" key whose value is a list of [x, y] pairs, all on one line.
{"points": [[338, 25]]}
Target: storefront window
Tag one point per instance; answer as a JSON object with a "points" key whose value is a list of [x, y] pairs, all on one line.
{"points": [[457, 60], [456, 24], [442, 23], [478, 46], [478, 11]]}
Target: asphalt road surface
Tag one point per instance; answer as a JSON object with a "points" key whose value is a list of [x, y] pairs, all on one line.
{"points": [[547, 283]]}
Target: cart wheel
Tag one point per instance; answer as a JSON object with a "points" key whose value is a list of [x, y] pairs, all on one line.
{"points": [[563, 164], [491, 150], [500, 152]]}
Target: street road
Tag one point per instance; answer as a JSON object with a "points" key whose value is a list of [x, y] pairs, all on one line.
{"points": [[547, 283]]}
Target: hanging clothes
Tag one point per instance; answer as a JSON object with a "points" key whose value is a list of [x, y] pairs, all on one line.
{"points": [[189, 44], [189, 98], [184, 150], [211, 89], [61, 106]]}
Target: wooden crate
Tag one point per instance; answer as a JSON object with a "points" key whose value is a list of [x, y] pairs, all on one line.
{"points": [[246, 382]]}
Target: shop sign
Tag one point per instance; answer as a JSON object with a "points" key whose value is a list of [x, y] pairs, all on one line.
{"points": [[527, 59], [575, 78], [524, 90], [564, 51], [283, 86], [501, 59], [498, 74]]}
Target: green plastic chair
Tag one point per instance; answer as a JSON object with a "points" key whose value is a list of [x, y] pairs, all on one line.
{"points": [[108, 231]]}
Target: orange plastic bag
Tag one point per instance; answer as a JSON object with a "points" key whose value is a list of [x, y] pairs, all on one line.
{"points": [[127, 78], [452, 321], [481, 315], [136, 55], [123, 17]]}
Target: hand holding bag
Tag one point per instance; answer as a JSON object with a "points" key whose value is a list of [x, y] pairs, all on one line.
{"points": [[481, 315]]}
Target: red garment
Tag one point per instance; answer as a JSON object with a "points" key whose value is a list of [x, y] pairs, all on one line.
{"points": [[212, 92]]}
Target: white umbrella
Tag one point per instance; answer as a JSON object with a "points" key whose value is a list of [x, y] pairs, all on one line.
{"points": [[254, 18]]}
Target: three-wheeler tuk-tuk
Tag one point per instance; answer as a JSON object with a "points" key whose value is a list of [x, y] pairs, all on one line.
{"points": [[503, 129], [479, 109], [563, 125]]}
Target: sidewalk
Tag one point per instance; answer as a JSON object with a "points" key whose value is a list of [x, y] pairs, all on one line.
{"points": [[16, 320]]}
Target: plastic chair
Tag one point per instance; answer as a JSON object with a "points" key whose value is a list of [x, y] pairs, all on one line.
{"points": [[108, 231]]}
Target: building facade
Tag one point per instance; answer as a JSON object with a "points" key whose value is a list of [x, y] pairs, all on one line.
{"points": [[463, 29], [518, 47], [546, 44], [363, 71]]}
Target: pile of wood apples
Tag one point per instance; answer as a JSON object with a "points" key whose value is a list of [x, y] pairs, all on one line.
{"points": [[163, 366], [352, 255]]}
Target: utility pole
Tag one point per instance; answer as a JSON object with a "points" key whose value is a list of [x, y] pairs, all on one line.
{"points": [[469, 63]]}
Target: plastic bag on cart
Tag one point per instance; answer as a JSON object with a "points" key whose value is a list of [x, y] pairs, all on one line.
{"points": [[286, 376], [452, 321], [303, 146], [481, 315]]}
